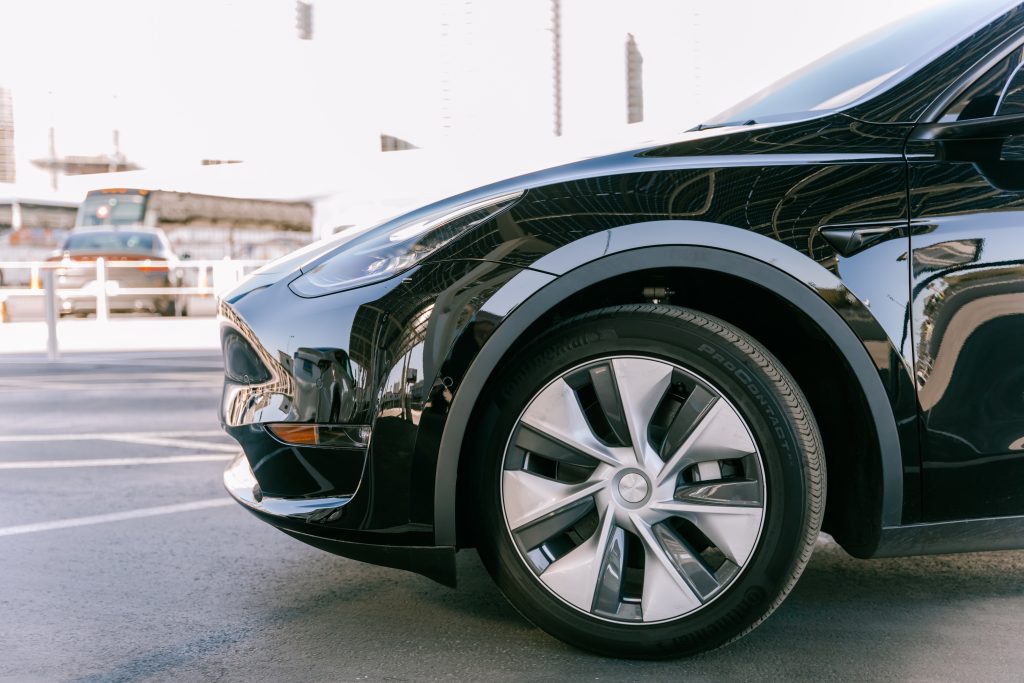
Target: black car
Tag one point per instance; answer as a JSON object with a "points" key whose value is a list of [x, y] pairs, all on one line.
{"points": [[630, 382]]}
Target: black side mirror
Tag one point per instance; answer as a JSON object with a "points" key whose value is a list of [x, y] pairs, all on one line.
{"points": [[988, 128], [980, 142]]}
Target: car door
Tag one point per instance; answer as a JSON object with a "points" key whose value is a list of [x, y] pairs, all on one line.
{"points": [[966, 189]]}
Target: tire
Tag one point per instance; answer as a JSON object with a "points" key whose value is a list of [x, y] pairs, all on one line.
{"points": [[629, 551], [164, 307]]}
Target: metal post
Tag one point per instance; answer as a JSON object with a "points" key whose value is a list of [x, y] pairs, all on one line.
{"points": [[556, 49], [50, 292], [102, 310]]}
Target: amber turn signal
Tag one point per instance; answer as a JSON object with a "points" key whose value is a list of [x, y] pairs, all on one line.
{"points": [[334, 436]]}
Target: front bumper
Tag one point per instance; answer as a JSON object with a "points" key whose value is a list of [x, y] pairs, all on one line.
{"points": [[387, 357], [310, 520]]}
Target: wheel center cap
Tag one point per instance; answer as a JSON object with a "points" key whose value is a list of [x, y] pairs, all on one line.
{"points": [[634, 487]]}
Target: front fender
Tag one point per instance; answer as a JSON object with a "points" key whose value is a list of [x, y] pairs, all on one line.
{"points": [[676, 244]]}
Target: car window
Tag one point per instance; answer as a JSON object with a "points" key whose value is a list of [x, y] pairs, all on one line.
{"points": [[874, 61], [110, 241], [1001, 88], [1011, 101]]}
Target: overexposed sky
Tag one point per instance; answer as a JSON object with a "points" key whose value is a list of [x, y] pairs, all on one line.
{"points": [[189, 79], [175, 76]]}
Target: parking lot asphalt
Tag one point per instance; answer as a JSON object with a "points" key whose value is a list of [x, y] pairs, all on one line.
{"points": [[122, 559]]}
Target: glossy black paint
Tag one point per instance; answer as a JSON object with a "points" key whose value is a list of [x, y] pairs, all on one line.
{"points": [[966, 186], [411, 355]]}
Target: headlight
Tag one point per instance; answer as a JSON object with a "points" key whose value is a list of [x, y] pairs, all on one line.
{"points": [[384, 252]]}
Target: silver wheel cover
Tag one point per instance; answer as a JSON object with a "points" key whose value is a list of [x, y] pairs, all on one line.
{"points": [[633, 489]]}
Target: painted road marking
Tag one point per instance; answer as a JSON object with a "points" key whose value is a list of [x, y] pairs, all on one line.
{"points": [[115, 516], [106, 436], [89, 377], [207, 385], [135, 378], [110, 462], [173, 443]]}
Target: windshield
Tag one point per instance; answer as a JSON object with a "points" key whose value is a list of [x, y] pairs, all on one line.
{"points": [[881, 57], [110, 241], [121, 209]]}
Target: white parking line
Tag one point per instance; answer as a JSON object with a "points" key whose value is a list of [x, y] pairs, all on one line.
{"points": [[128, 360], [93, 377], [109, 462], [37, 387], [104, 436], [173, 443], [115, 516]]}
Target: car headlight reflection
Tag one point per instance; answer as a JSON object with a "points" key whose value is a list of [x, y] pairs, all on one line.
{"points": [[387, 251]]}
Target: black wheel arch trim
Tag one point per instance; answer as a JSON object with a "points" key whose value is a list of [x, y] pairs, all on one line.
{"points": [[650, 245]]}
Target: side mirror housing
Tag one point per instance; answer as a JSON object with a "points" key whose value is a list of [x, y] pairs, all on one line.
{"points": [[988, 128]]}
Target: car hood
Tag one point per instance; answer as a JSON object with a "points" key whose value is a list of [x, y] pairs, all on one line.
{"points": [[685, 150]]}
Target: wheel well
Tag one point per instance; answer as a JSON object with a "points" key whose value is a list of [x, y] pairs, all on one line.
{"points": [[852, 453]]}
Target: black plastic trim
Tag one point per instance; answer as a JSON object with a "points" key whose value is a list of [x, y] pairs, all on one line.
{"points": [[961, 536], [433, 562]]}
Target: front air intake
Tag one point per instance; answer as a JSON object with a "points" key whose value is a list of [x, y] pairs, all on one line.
{"points": [[241, 364]]}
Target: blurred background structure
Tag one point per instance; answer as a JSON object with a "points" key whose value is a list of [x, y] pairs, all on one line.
{"points": [[357, 109], [7, 170], [291, 80]]}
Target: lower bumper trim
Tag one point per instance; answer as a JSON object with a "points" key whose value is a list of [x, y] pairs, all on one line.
{"points": [[241, 484], [292, 516], [433, 562]]}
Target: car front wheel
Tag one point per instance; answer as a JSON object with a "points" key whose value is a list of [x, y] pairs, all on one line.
{"points": [[657, 486]]}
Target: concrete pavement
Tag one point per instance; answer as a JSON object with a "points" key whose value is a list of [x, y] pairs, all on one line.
{"points": [[126, 333], [145, 571]]}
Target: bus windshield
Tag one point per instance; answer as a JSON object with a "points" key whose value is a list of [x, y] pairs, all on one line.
{"points": [[112, 209]]}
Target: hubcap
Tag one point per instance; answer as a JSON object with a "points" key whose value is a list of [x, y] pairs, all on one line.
{"points": [[633, 489]]}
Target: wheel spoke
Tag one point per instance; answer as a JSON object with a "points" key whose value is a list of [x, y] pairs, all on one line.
{"points": [[739, 493], [556, 414], [686, 561], [575, 575], [602, 381], [642, 385], [690, 414], [732, 528], [608, 596], [529, 497], [532, 441], [544, 529], [720, 435], [666, 592]]}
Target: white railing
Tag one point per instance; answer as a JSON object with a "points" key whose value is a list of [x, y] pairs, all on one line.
{"points": [[40, 280]]}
